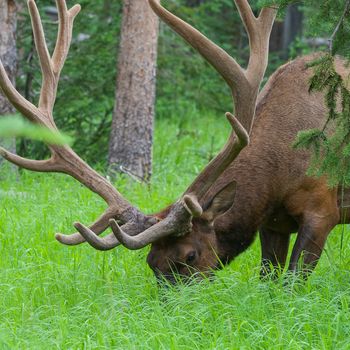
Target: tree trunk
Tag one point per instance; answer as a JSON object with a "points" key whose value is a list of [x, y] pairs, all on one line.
{"points": [[293, 25], [131, 137], [284, 33], [8, 54]]}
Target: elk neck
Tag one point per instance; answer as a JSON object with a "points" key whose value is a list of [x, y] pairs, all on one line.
{"points": [[236, 229]]}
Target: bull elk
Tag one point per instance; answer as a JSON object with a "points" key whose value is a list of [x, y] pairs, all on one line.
{"points": [[256, 183]]}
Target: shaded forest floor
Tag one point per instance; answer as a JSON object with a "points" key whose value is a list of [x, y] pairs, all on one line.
{"points": [[56, 297]]}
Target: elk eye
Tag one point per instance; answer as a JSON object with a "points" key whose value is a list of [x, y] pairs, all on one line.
{"points": [[190, 258]]}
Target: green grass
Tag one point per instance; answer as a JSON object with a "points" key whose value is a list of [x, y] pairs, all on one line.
{"points": [[57, 297]]}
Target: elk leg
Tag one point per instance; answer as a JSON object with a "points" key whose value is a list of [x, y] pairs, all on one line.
{"points": [[309, 245], [274, 250]]}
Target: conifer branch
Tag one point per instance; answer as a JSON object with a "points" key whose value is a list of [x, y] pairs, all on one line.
{"points": [[341, 20]]}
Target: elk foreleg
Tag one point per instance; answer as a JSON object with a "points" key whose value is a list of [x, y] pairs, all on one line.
{"points": [[274, 250]]}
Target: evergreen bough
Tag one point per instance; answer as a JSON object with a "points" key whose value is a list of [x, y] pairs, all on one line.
{"points": [[330, 145]]}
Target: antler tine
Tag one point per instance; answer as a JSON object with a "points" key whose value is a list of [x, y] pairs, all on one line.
{"points": [[43, 54], [132, 243], [64, 37], [107, 243], [246, 14], [99, 226], [215, 168], [33, 165], [51, 68], [258, 30], [132, 227], [18, 101], [259, 38]]}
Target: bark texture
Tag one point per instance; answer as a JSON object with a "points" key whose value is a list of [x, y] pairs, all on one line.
{"points": [[131, 138], [8, 54]]}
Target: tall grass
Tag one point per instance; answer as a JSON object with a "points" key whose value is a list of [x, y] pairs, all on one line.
{"points": [[57, 297]]}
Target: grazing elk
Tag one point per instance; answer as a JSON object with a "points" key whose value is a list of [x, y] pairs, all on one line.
{"points": [[257, 181]]}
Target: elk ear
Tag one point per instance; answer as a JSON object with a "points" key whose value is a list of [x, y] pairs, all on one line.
{"points": [[221, 202]]}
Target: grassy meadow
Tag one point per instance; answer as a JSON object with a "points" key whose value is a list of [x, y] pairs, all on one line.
{"points": [[58, 297]]}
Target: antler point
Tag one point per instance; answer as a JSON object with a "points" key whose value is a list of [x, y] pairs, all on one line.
{"points": [[31, 4], [77, 225], [192, 205], [75, 10], [231, 119], [58, 236]]}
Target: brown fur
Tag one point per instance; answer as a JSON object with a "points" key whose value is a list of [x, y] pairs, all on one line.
{"points": [[273, 193]]}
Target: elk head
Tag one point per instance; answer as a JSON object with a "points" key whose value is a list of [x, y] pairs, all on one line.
{"points": [[183, 237], [195, 252]]}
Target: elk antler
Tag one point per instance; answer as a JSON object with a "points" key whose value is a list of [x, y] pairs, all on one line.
{"points": [[138, 230], [244, 85], [63, 158]]}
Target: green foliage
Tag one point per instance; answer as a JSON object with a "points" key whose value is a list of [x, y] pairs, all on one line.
{"points": [[325, 16], [282, 4], [15, 126], [311, 139], [327, 79], [321, 19], [331, 144], [57, 297]]}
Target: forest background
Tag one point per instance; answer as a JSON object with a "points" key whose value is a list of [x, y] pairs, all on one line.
{"points": [[186, 85]]}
